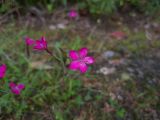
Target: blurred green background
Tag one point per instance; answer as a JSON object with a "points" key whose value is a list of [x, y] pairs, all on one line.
{"points": [[93, 6]]}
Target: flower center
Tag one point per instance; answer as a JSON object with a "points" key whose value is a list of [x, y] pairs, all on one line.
{"points": [[41, 45]]}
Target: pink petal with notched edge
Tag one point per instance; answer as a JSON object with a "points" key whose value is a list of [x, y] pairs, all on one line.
{"points": [[73, 55], [73, 14], [12, 84], [74, 65], [29, 41], [1, 75], [83, 52], [21, 86], [43, 39], [40, 45], [2, 70], [83, 67], [15, 91], [88, 60], [3, 67]]}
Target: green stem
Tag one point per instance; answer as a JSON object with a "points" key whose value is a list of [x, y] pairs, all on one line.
{"points": [[49, 52], [61, 60], [70, 86], [27, 50]]}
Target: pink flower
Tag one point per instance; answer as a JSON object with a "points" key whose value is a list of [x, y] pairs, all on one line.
{"points": [[72, 14], [29, 41], [2, 71], [41, 44], [16, 88], [80, 60]]}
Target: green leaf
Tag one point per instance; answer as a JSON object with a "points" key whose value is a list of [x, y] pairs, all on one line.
{"points": [[79, 100], [120, 113]]}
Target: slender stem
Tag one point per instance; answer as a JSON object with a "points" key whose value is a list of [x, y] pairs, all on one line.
{"points": [[49, 52], [61, 60], [27, 49], [70, 86]]}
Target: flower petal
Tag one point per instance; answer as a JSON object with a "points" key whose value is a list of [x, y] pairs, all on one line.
{"points": [[73, 14], [37, 44], [74, 65], [89, 60], [73, 55], [83, 52], [43, 39], [2, 70], [83, 67], [15, 91], [21, 86], [29, 41], [40, 45], [1, 75], [12, 84], [3, 67]]}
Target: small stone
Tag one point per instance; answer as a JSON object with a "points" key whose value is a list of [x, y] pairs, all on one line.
{"points": [[125, 76], [131, 70], [99, 21], [52, 27], [119, 97], [61, 26], [117, 62], [108, 54], [112, 95], [106, 71]]}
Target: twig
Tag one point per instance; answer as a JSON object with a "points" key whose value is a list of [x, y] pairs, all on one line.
{"points": [[27, 50]]}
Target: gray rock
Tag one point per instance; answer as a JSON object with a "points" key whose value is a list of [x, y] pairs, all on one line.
{"points": [[108, 54], [106, 70]]}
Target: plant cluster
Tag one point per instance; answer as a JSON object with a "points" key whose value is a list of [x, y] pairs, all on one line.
{"points": [[77, 61], [93, 6]]}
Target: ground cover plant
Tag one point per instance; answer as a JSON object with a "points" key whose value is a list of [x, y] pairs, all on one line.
{"points": [[71, 80], [93, 6], [69, 65]]}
